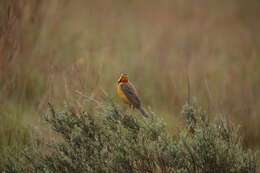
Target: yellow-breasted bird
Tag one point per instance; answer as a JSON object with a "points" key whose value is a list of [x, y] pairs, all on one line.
{"points": [[128, 94]]}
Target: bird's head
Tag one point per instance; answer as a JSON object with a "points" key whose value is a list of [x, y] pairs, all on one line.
{"points": [[123, 78]]}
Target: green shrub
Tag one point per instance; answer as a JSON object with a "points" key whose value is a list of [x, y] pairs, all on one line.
{"points": [[114, 141]]}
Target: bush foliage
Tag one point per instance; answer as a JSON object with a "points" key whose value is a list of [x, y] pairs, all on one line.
{"points": [[114, 141]]}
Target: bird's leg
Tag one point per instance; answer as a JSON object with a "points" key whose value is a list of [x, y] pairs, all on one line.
{"points": [[128, 112], [132, 108]]}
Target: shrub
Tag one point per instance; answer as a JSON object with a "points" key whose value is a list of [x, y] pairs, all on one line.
{"points": [[114, 141]]}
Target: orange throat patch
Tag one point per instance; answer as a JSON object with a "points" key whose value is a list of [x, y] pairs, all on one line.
{"points": [[123, 79]]}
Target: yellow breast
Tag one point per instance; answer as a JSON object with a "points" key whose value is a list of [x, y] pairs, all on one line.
{"points": [[121, 94]]}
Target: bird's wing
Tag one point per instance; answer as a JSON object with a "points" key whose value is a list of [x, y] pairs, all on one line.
{"points": [[131, 94]]}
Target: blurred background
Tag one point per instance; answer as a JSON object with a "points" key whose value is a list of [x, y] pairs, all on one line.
{"points": [[51, 48]]}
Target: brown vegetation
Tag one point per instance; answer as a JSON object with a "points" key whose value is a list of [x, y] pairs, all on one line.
{"points": [[49, 49]]}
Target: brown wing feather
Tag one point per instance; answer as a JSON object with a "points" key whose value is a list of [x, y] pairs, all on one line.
{"points": [[131, 94]]}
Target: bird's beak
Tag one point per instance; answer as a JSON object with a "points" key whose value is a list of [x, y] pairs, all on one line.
{"points": [[119, 80]]}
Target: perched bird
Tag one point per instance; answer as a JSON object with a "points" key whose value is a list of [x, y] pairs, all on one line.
{"points": [[128, 94]]}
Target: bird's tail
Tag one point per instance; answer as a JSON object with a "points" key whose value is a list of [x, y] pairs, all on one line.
{"points": [[143, 112]]}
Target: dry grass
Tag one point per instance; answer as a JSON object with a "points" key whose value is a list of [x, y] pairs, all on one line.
{"points": [[49, 49]]}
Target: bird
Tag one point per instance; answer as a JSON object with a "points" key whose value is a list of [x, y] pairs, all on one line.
{"points": [[128, 94]]}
